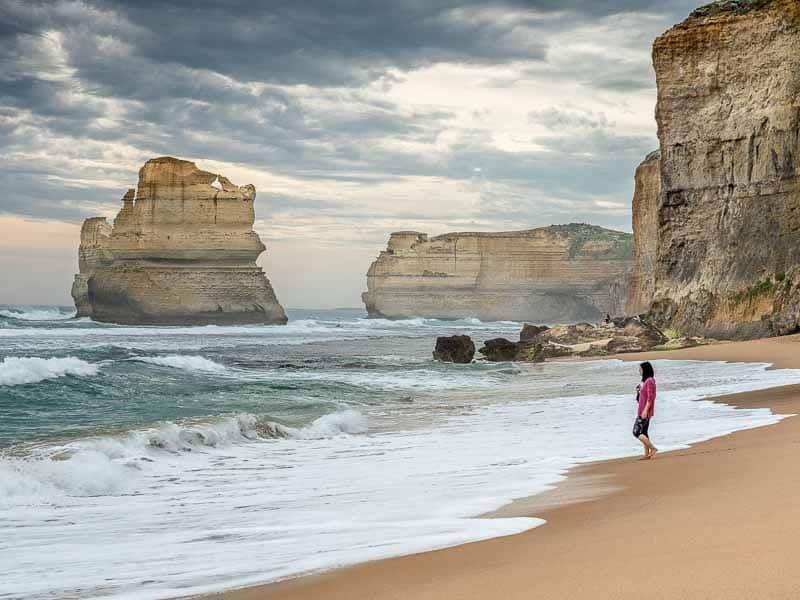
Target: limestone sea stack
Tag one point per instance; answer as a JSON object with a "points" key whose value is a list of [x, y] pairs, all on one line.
{"points": [[182, 250], [728, 211], [561, 273]]}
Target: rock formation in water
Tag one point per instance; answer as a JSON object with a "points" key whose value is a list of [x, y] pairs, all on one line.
{"points": [[455, 349], [182, 250], [645, 234], [562, 273], [728, 213]]}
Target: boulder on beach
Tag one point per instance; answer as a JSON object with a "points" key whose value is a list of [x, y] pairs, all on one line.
{"points": [[455, 349]]}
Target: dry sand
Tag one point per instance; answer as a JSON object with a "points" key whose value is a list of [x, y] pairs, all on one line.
{"points": [[718, 520]]}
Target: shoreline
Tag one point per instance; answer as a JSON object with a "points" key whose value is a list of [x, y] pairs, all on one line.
{"points": [[597, 543]]}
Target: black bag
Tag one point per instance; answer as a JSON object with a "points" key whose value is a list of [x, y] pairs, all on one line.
{"points": [[640, 427]]}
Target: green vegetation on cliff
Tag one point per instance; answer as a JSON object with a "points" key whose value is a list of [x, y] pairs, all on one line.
{"points": [[762, 288], [613, 245]]}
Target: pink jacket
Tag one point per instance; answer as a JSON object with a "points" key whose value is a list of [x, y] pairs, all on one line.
{"points": [[647, 392]]}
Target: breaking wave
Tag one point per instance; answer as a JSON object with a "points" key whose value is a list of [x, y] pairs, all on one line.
{"points": [[37, 314], [22, 370], [110, 465], [186, 363], [347, 422]]}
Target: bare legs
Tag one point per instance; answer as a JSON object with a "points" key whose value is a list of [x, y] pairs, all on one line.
{"points": [[649, 449]]}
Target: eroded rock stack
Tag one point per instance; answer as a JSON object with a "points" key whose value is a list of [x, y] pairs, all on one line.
{"points": [[182, 251], [728, 213], [562, 273]]}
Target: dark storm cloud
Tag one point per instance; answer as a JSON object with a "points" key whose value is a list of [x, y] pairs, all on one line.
{"points": [[36, 192], [279, 85]]}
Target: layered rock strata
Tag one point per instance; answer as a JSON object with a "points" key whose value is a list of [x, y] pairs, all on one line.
{"points": [[562, 273], [728, 216], [94, 252], [647, 193], [182, 250]]}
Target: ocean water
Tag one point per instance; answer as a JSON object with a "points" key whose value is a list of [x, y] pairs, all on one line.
{"points": [[158, 462]]}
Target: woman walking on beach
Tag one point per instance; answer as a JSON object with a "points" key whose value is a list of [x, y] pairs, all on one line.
{"points": [[646, 395]]}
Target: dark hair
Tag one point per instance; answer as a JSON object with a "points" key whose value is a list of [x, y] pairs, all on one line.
{"points": [[647, 371]]}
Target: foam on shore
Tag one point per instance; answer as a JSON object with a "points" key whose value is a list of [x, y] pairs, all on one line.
{"points": [[164, 506]]}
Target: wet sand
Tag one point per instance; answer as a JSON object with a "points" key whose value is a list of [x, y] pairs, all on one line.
{"points": [[716, 521]]}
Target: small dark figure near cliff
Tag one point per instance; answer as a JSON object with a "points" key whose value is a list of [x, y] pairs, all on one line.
{"points": [[646, 401]]}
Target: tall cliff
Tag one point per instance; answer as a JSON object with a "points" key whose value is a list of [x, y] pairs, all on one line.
{"points": [[646, 197], [728, 118], [182, 250], [562, 273]]}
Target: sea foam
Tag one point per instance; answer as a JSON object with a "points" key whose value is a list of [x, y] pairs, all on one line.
{"points": [[230, 477], [22, 370], [36, 314], [160, 506], [187, 363], [110, 465]]}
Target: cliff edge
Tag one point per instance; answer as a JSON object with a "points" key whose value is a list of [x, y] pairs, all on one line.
{"points": [[182, 250], [562, 273]]}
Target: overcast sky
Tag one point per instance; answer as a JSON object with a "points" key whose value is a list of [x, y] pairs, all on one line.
{"points": [[353, 119]]}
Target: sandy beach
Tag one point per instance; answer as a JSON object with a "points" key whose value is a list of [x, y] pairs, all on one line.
{"points": [[717, 520]]}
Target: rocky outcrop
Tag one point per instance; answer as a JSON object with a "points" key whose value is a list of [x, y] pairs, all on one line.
{"points": [[647, 193], [455, 349], [611, 336], [94, 252], [499, 350], [560, 273], [530, 332], [182, 250], [729, 129]]}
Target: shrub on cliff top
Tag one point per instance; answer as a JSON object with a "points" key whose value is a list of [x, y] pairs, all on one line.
{"points": [[579, 234], [735, 6]]}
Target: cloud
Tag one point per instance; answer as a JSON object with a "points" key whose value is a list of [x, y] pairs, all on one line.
{"points": [[351, 119], [555, 119]]}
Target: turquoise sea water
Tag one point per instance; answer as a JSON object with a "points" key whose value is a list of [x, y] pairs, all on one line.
{"points": [[321, 362], [159, 462]]}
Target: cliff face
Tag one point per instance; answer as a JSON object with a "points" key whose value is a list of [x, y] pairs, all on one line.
{"points": [[555, 274], [646, 197], [182, 250], [729, 128], [94, 252]]}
